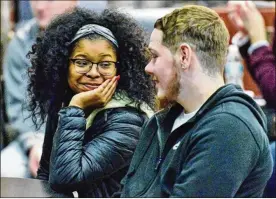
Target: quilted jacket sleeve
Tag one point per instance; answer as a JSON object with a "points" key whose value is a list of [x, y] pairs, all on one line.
{"points": [[43, 170], [73, 164]]}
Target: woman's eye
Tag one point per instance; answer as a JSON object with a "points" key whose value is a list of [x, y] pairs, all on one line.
{"points": [[82, 62], [104, 64]]}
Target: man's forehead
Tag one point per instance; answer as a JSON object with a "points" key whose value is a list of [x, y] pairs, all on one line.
{"points": [[156, 38]]}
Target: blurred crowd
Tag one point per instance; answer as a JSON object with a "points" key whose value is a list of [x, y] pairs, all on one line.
{"points": [[21, 23]]}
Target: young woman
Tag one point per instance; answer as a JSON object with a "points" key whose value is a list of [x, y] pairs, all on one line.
{"points": [[87, 78]]}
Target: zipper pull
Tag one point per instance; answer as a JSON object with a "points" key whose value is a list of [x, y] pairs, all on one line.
{"points": [[105, 116], [158, 163]]}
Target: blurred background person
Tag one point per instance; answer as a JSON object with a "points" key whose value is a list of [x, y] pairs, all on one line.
{"points": [[97, 6], [21, 157], [254, 47], [260, 58], [5, 27], [24, 10]]}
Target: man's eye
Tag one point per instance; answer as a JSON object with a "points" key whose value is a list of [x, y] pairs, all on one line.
{"points": [[153, 56]]}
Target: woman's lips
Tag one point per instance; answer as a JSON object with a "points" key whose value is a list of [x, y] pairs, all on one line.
{"points": [[90, 87]]}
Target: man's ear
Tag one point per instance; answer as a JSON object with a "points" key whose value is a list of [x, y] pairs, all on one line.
{"points": [[185, 55]]}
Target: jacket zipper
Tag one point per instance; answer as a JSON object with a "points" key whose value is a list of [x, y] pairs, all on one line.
{"points": [[158, 163], [105, 116], [168, 145]]}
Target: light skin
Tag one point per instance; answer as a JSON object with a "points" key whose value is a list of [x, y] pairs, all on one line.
{"points": [[45, 11], [195, 86], [163, 77], [34, 158], [247, 19], [93, 90]]}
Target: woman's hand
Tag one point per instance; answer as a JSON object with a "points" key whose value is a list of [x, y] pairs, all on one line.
{"points": [[96, 98]]}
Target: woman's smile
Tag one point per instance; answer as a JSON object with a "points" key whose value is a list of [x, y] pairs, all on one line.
{"points": [[90, 86]]}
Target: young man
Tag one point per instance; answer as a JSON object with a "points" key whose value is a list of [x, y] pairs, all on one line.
{"points": [[211, 142]]}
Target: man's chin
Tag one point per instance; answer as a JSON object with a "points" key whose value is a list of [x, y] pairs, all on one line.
{"points": [[161, 96], [162, 102]]}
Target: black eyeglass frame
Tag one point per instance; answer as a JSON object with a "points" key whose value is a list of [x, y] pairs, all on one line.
{"points": [[92, 64]]}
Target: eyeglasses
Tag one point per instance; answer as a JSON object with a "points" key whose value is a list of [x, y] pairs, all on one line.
{"points": [[105, 68]]}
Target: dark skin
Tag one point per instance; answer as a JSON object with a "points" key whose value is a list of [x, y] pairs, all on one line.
{"points": [[96, 98], [47, 57], [93, 90]]}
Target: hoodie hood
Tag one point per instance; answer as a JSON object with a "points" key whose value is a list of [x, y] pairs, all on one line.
{"points": [[226, 93], [233, 93]]}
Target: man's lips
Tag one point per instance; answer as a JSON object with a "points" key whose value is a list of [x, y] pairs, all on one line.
{"points": [[155, 82]]}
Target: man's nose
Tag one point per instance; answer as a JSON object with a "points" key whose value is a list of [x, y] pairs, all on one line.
{"points": [[148, 68]]}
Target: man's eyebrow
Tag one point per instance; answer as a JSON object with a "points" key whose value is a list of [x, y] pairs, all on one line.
{"points": [[152, 50]]}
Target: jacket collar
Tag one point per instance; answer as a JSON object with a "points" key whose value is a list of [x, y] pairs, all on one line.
{"points": [[168, 115], [118, 103]]}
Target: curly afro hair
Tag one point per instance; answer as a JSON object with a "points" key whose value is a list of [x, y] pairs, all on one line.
{"points": [[48, 86]]}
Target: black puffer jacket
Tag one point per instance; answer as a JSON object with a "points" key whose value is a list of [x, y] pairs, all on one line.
{"points": [[93, 161]]}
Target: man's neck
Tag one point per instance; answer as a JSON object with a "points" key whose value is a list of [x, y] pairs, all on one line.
{"points": [[198, 93]]}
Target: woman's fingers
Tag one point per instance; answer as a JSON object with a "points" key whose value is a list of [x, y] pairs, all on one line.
{"points": [[103, 85], [94, 94], [111, 91], [109, 85], [97, 97]]}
